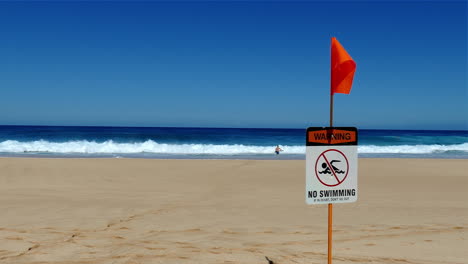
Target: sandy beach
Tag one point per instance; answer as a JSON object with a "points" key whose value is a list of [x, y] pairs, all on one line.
{"points": [[227, 211]]}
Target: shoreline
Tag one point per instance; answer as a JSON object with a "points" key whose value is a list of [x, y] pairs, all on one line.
{"points": [[231, 157]]}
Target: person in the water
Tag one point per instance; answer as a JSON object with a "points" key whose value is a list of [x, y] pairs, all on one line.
{"points": [[278, 149]]}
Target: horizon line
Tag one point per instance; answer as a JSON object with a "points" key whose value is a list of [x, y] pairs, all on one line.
{"points": [[220, 127]]}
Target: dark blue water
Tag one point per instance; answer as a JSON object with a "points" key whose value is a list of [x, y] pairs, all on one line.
{"points": [[163, 142]]}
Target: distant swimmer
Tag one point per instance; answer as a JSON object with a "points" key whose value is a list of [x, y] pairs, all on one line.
{"points": [[278, 149]]}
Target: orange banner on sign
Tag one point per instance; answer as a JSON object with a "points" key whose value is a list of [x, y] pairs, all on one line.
{"points": [[342, 69], [332, 136]]}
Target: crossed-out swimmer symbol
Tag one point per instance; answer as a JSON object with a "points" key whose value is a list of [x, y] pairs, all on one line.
{"points": [[326, 160]]}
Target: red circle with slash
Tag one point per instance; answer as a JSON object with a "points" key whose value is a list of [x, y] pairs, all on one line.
{"points": [[328, 157]]}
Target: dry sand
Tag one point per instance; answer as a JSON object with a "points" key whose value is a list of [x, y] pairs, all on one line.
{"points": [[227, 211]]}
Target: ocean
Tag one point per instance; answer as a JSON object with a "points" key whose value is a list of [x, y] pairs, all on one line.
{"points": [[215, 143]]}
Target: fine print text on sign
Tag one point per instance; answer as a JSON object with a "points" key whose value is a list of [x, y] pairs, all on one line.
{"points": [[331, 165]]}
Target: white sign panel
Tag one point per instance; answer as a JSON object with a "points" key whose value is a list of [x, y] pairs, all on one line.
{"points": [[331, 165]]}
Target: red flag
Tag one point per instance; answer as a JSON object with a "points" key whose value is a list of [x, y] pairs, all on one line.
{"points": [[342, 69]]}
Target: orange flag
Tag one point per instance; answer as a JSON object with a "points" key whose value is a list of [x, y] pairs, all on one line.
{"points": [[342, 69]]}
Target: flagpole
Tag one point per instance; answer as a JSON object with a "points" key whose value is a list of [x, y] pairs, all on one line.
{"points": [[342, 68], [330, 205]]}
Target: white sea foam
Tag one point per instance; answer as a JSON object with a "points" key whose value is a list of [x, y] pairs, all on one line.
{"points": [[149, 146], [413, 149]]}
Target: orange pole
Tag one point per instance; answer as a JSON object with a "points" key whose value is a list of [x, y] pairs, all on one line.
{"points": [[330, 206], [330, 218]]}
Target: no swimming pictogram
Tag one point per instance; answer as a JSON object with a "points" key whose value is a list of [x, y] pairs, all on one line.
{"points": [[331, 167]]}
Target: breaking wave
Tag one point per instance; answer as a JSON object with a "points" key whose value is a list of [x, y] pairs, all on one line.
{"points": [[413, 149], [150, 146]]}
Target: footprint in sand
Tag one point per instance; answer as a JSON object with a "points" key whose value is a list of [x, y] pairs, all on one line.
{"points": [[33, 247], [194, 230], [155, 248], [230, 232], [14, 238]]}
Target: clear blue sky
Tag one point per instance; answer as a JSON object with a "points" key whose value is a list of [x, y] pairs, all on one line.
{"points": [[232, 64]]}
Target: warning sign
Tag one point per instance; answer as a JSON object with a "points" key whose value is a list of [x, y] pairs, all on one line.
{"points": [[331, 165]]}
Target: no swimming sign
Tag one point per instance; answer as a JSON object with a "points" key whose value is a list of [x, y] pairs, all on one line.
{"points": [[331, 165]]}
